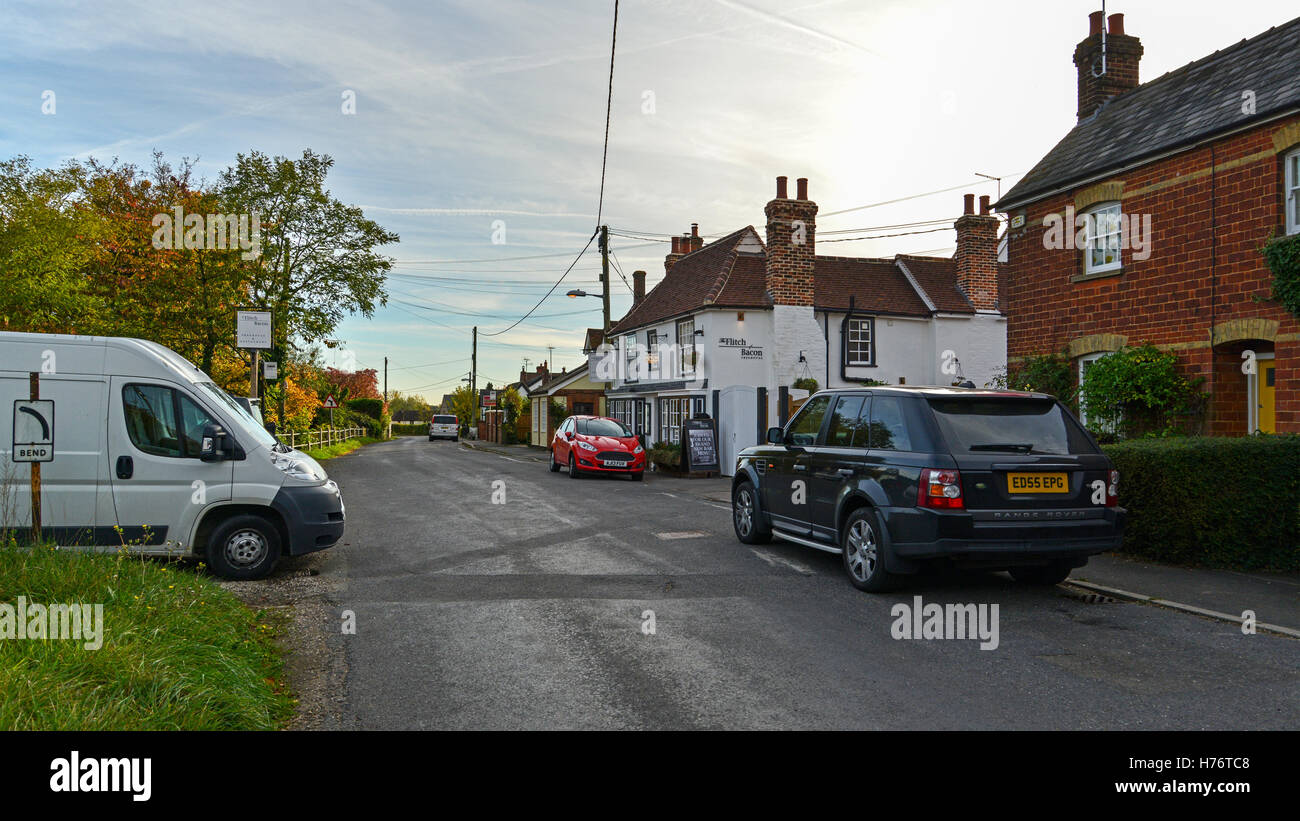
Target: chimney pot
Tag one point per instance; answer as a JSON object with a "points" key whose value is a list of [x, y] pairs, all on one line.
{"points": [[780, 188], [969, 202], [1095, 22], [1116, 24], [695, 229], [677, 244], [801, 188], [984, 205]]}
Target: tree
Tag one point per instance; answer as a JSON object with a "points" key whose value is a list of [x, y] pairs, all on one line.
{"points": [[317, 260], [363, 384], [463, 402]]}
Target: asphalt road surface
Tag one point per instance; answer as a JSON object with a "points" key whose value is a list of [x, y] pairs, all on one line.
{"points": [[532, 614]]}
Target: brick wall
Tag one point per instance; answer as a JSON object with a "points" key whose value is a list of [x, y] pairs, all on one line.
{"points": [[791, 247], [1167, 298]]}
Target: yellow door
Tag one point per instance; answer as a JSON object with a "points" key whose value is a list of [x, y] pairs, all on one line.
{"points": [[1266, 395]]}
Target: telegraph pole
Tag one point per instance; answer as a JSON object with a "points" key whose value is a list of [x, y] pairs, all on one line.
{"points": [[385, 380], [473, 378], [604, 274]]}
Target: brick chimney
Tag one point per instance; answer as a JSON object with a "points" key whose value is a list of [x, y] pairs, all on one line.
{"points": [[694, 241], [638, 287], [1122, 54], [791, 245], [977, 255], [674, 255]]}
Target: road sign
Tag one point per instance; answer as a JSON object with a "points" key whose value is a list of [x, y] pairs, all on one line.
{"points": [[33, 430], [329, 402], [271, 370], [253, 330]]}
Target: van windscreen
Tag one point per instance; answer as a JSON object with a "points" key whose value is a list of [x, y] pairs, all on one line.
{"points": [[1008, 426], [444, 420]]}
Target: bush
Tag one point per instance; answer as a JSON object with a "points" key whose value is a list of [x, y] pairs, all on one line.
{"points": [[1046, 373], [665, 455], [1139, 392], [374, 408], [1212, 501], [413, 429], [1283, 257], [806, 383]]}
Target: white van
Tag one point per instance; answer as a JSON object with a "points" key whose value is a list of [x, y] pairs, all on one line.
{"points": [[150, 454]]}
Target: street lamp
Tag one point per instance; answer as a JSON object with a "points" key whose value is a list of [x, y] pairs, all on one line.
{"points": [[576, 292]]}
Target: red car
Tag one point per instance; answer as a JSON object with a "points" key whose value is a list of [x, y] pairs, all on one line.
{"points": [[597, 444]]}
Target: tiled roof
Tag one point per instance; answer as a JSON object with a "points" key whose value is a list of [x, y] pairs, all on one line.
{"points": [[1178, 108], [876, 285], [708, 276], [937, 277]]}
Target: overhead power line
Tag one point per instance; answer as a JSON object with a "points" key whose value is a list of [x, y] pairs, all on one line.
{"points": [[609, 105], [553, 287]]}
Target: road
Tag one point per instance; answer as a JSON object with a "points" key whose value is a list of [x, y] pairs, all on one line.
{"points": [[532, 614]]}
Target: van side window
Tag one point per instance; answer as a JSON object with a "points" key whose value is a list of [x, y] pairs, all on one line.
{"points": [[151, 419], [805, 427], [844, 423], [888, 425]]}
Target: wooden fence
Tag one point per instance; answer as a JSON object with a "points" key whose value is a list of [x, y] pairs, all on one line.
{"points": [[313, 439]]}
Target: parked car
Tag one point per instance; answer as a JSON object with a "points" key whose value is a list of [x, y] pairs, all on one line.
{"points": [[597, 444], [444, 426], [151, 455], [893, 477]]}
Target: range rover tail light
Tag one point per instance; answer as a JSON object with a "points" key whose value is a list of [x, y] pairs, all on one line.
{"points": [[940, 488], [1112, 489]]}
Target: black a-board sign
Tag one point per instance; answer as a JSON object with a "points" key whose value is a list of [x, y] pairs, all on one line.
{"points": [[700, 445]]}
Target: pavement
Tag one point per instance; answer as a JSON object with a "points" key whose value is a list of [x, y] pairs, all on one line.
{"points": [[1273, 598], [489, 593]]}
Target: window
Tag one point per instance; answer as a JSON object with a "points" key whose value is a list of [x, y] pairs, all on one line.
{"points": [[672, 411], [603, 427], [686, 346], [889, 424], [845, 423], [859, 342], [584, 408], [631, 412], [1292, 163], [629, 358], [804, 428], [152, 413], [1084, 363], [1101, 253], [1008, 426], [652, 355]]}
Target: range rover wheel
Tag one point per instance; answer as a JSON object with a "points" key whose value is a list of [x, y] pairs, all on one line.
{"points": [[243, 547], [1053, 573], [554, 466], [745, 516], [863, 553]]}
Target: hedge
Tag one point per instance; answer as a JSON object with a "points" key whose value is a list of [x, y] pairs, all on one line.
{"points": [[414, 429], [374, 408], [1212, 501]]}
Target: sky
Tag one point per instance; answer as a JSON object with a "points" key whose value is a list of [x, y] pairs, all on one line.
{"points": [[478, 129]]}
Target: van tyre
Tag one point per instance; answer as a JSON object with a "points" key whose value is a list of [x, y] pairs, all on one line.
{"points": [[554, 466], [243, 547], [1051, 574], [746, 517], [863, 553]]}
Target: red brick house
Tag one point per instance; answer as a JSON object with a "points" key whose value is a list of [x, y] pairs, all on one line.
{"points": [[1181, 179]]}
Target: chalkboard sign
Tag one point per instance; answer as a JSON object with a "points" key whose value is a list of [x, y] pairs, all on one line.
{"points": [[700, 445]]}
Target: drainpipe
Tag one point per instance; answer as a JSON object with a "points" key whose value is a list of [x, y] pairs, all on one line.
{"points": [[1214, 273]]}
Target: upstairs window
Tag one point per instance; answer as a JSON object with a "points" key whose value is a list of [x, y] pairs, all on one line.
{"points": [[629, 358], [1101, 253], [1292, 164], [652, 354], [686, 346]]}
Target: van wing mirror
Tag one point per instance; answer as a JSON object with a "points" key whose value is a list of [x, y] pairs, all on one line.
{"points": [[775, 436], [213, 447]]}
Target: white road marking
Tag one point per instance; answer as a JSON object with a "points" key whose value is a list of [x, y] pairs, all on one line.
{"points": [[782, 561]]}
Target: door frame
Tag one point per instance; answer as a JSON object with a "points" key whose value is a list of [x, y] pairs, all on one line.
{"points": [[1252, 394]]}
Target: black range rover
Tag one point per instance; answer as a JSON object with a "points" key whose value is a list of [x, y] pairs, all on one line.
{"points": [[892, 477]]}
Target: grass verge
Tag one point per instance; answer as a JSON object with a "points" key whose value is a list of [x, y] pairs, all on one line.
{"points": [[340, 448], [178, 652]]}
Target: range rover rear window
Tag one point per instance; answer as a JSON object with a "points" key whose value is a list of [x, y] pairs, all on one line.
{"points": [[1008, 426]]}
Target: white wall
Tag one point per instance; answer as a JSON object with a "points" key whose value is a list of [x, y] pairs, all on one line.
{"points": [[913, 349]]}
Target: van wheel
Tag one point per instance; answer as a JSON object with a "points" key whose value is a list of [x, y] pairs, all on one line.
{"points": [[1054, 573], [555, 466], [243, 547], [745, 515], [863, 553]]}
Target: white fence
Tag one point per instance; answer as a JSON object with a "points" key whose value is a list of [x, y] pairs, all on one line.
{"points": [[323, 438]]}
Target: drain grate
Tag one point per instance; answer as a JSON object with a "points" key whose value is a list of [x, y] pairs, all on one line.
{"points": [[1085, 596]]}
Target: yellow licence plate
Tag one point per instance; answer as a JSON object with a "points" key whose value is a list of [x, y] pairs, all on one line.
{"points": [[1037, 483]]}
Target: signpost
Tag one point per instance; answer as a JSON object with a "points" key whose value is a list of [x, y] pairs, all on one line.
{"points": [[33, 441], [700, 445], [331, 404], [271, 371], [253, 333]]}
